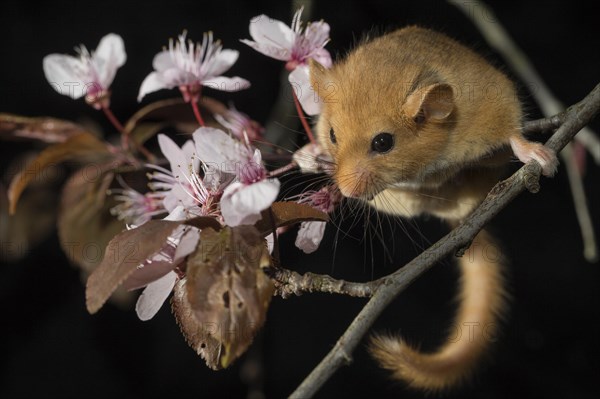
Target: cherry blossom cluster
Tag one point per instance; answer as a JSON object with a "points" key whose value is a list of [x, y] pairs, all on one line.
{"points": [[217, 173]]}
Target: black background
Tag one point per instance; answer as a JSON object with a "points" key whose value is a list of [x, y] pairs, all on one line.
{"points": [[51, 347]]}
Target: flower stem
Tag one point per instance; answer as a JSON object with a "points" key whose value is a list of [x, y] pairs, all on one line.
{"points": [[113, 119], [303, 118], [197, 113], [115, 122], [277, 172]]}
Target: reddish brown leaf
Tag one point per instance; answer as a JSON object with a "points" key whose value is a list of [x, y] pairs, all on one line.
{"points": [[85, 225], [145, 131], [122, 256], [202, 222], [174, 112], [198, 335], [156, 111], [149, 273], [143, 276], [288, 213], [49, 130], [23, 231], [79, 147], [227, 290], [126, 251]]}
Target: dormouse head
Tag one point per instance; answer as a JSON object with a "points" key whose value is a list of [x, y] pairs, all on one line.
{"points": [[384, 128]]}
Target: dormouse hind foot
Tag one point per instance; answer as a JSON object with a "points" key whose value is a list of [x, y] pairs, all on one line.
{"points": [[527, 150]]}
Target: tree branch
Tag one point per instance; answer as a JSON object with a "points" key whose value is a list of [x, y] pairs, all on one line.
{"points": [[495, 34], [544, 124], [288, 282], [501, 195]]}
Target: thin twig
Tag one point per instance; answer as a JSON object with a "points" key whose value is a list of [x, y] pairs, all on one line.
{"points": [[500, 196], [284, 169], [288, 282], [544, 124], [495, 34], [590, 251]]}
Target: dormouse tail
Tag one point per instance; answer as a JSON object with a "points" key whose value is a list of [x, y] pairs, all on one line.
{"points": [[482, 299]]}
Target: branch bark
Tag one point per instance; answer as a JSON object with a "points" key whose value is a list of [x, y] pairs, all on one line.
{"points": [[288, 282], [495, 34], [576, 117]]}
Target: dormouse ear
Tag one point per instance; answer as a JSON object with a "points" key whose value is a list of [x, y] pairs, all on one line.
{"points": [[434, 102], [318, 74]]}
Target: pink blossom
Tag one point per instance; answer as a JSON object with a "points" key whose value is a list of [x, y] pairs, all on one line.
{"points": [[295, 45], [312, 158], [89, 74], [135, 208], [311, 233], [157, 273], [190, 66], [252, 191], [182, 185], [240, 124]]}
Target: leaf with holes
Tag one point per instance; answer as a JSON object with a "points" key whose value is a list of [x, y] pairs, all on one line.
{"points": [[198, 335], [228, 291], [288, 213]]}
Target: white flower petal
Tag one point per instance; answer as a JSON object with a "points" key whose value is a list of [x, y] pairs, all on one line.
{"points": [[154, 295], [189, 150], [300, 81], [310, 235], [181, 160], [323, 57], [163, 61], [176, 214], [108, 57], [224, 83], [153, 82], [222, 61], [172, 152], [270, 32], [174, 77], [187, 244], [307, 158], [242, 204], [63, 72], [217, 149], [270, 242], [281, 54], [318, 32], [178, 197]]}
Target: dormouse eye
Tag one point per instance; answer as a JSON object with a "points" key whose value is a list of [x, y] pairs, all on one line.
{"points": [[332, 136], [420, 117], [382, 143]]}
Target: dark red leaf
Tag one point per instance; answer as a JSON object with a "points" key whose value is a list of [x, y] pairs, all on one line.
{"points": [[288, 213], [83, 147], [227, 289], [123, 254], [48, 130]]}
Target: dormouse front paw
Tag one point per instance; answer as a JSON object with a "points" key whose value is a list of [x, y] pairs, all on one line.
{"points": [[527, 150]]}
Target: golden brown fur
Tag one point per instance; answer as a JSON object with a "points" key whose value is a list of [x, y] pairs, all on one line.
{"points": [[481, 302], [453, 118]]}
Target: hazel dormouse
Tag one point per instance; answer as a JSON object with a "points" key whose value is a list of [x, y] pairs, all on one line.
{"points": [[416, 123]]}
